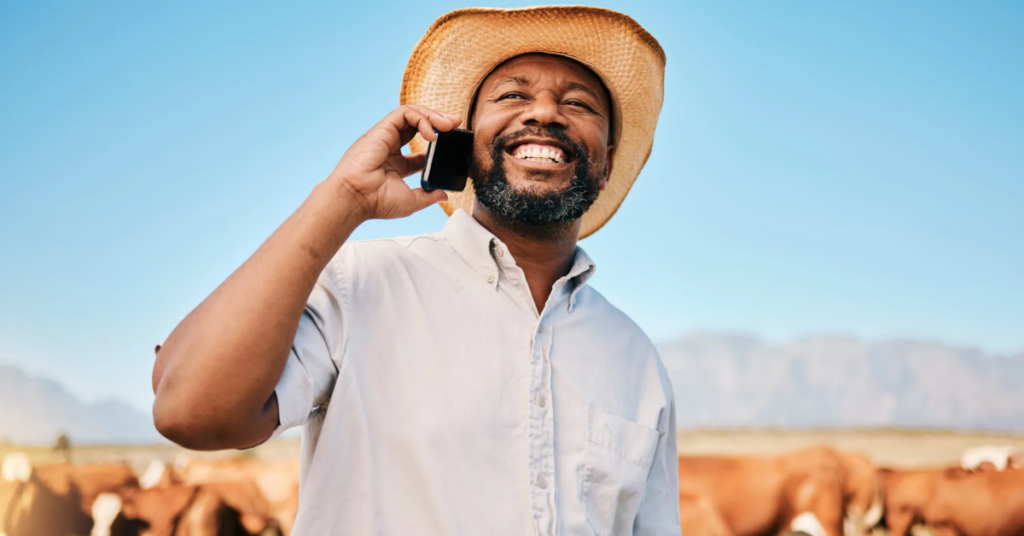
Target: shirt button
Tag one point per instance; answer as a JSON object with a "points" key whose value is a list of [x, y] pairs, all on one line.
{"points": [[490, 278], [542, 400], [542, 482]]}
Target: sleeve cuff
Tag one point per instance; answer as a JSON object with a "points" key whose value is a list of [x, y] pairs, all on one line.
{"points": [[294, 396]]}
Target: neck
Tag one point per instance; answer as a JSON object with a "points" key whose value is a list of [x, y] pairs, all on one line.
{"points": [[545, 253]]}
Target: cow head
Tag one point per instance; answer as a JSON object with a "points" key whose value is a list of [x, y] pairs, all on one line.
{"points": [[863, 494], [159, 473]]}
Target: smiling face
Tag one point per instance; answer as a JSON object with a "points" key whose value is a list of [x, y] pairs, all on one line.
{"points": [[542, 127]]}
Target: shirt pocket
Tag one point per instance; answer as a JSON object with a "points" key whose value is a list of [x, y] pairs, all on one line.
{"points": [[619, 454]]}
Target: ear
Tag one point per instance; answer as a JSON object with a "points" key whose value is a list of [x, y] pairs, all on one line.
{"points": [[609, 161]]}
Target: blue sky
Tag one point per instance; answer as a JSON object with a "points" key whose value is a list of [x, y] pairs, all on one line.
{"points": [[818, 166]]}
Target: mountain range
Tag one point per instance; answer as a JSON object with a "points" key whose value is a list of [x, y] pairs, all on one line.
{"points": [[720, 380], [37, 410], [723, 380]]}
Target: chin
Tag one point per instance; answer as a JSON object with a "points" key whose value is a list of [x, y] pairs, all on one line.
{"points": [[537, 183]]}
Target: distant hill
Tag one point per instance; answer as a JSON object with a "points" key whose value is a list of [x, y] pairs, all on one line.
{"points": [[720, 380], [835, 381], [36, 411]]}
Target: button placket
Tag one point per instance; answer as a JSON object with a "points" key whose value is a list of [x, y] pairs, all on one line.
{"points": [[542, 485], [549, 415]]}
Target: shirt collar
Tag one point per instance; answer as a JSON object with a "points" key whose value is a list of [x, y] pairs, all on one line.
{"points": [[473, 243], [476, 245]]}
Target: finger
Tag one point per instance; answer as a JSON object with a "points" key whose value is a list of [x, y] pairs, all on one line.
{"points": [[430, 111], [407, 135], [423, 199], [415, 118], [441, 121], [406, 119], [456, 120], [412, 163]]}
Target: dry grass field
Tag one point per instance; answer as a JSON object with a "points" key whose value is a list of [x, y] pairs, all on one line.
{"points": [[894, 447], [887, 447]]}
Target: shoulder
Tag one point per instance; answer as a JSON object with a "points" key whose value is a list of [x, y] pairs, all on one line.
{"points": [[617, 328], [597, 309], [373, 256]]}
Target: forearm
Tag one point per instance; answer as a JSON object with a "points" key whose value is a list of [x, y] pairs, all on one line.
{"points": [[215, 375]]}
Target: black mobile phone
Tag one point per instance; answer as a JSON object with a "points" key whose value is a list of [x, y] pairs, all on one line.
{"points": [[447, 164]]}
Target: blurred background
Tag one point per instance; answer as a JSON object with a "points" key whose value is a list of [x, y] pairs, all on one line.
{"points": [[826, 243]]}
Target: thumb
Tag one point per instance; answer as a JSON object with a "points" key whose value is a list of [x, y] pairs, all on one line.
{"points": [[413, 163], [423, 199]]}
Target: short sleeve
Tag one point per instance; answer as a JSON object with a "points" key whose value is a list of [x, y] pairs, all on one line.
{"points": [[313, 362]]}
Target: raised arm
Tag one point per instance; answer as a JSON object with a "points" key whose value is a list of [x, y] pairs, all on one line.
{"points": [[215, 374]]}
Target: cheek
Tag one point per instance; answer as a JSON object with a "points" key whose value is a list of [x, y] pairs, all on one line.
{"points": [[488, 123], [484, 132], [482, 148], [600, 153]]}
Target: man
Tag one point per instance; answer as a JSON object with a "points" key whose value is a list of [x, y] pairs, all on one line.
{"points": [[466, 381]]}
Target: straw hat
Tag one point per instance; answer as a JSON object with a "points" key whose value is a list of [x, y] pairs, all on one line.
{"points": [[461, 48]]}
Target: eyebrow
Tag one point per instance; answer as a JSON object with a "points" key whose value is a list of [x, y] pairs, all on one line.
{"points": [[518, 80], [586, 89]]}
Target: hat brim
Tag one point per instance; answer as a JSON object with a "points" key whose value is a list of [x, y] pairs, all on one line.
{"points": [[462, 47]]}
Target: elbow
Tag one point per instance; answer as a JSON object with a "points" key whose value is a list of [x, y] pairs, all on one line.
{"points": [[180, 412], [176, 422], [196, 425], [186, 425]]}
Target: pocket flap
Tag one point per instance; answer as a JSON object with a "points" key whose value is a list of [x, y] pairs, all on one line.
{"points": [[631, 441]]}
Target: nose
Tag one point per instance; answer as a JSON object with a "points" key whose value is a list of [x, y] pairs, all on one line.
{"points": [[544, 112]]}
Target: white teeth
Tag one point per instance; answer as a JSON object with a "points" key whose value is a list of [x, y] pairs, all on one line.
{"points": [[539, 153]]}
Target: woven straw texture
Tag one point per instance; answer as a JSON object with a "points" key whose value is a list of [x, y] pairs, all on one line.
{"points": [[462, 47]]}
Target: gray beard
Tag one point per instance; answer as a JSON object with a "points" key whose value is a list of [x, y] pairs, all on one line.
{"points": [[521, 209]]}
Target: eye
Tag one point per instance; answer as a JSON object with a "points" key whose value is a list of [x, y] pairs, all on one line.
{"points": [[580, 104], [511, 96]]}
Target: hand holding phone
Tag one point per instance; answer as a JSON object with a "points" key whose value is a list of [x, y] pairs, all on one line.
{"points": [[447, 161]]}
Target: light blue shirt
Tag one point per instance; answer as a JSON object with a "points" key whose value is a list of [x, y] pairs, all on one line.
{"points": [[437, 400]]}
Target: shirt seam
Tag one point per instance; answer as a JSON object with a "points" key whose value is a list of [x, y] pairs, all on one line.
{"points": [[338, 280]]}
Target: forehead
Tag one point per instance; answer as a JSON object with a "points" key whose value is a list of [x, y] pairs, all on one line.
{"points": [[536, 67]]}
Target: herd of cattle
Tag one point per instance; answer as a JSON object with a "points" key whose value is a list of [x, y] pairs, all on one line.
{"points": [[818, 491], [824, 492], [233, 497]]}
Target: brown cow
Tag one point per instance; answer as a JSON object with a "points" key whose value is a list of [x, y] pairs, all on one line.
{"points": [[54, 499], [862, 493], [86, 482], [954, 501], [32, 509], [221, 509], [278, 481], [699, 517], [808, 490]]}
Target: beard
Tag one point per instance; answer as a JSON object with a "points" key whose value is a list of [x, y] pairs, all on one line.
{"points": [[522, 209]]}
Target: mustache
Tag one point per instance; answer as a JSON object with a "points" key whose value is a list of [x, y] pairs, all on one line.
{"points": [[500, 143]]}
